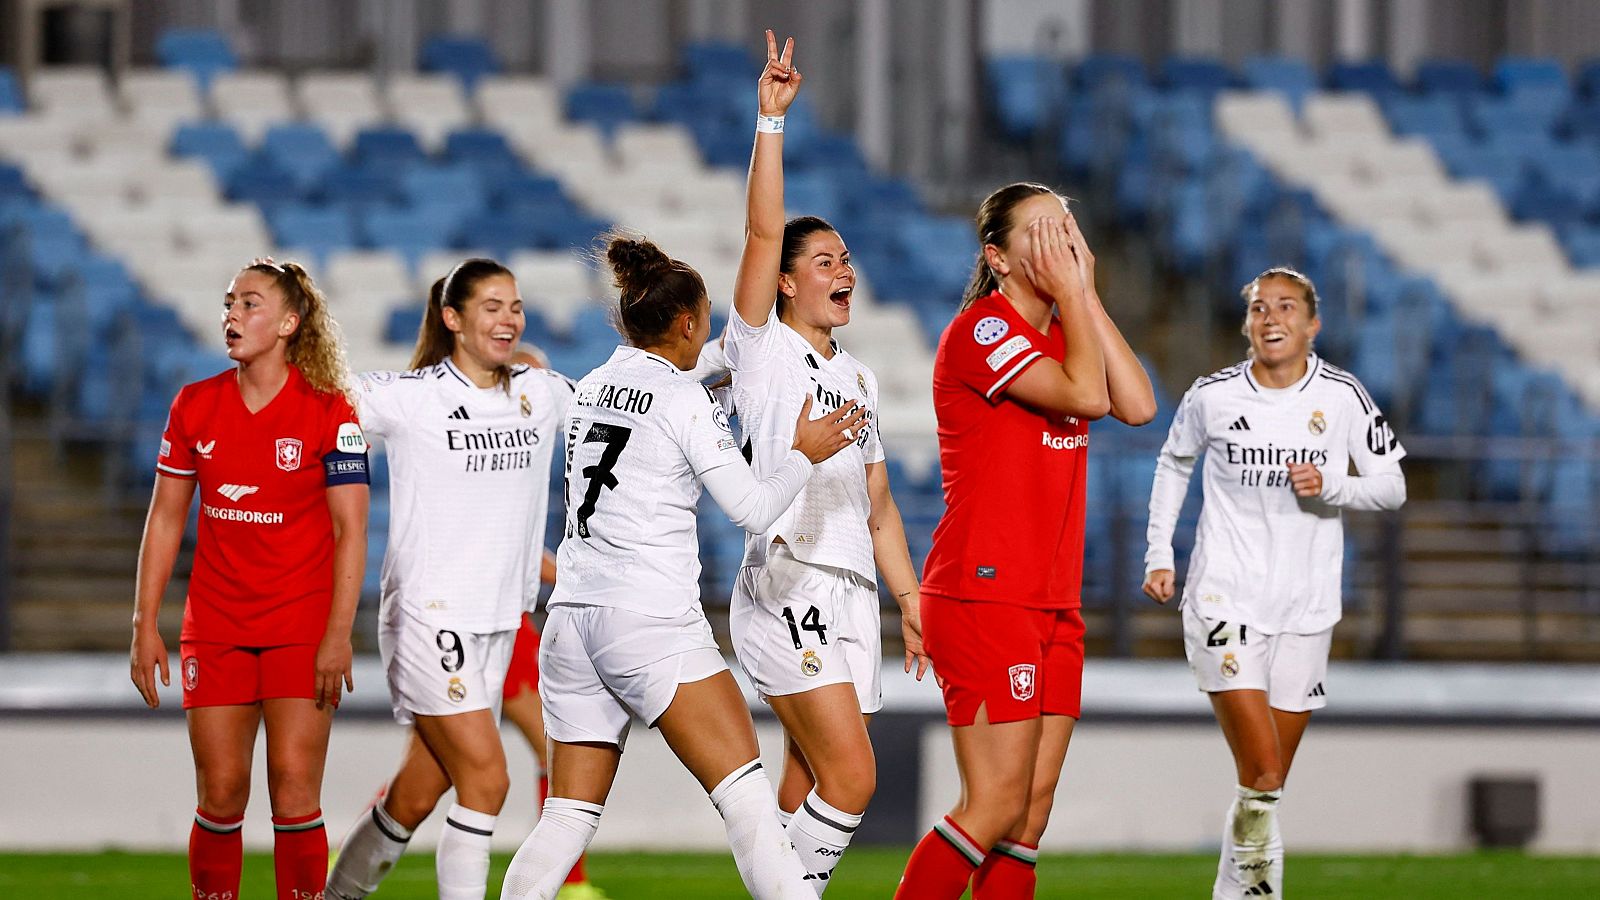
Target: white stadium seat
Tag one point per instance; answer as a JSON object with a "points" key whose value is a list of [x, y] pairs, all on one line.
{"points": [[431, 106], [252, 101], [343, 103]]}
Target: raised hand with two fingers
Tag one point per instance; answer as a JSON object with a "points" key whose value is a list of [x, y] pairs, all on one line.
{"points": [[780, 80]]}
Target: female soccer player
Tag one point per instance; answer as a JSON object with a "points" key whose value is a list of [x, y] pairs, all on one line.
{"points": [[470, 438], [626, 634], [1031, 357], [281, 465], [1280, 431], [520, 703], [805, 605]]}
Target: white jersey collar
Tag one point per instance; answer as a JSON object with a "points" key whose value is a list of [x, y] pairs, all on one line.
{"points": [[1313, 363]]}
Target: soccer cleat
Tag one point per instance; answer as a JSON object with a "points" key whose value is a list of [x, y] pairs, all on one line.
{"points": [[584, 890]]}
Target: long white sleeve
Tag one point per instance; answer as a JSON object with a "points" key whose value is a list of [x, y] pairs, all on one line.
{"points": [[754, 505], [1166, 502], [712, 365], [1380, 490]]}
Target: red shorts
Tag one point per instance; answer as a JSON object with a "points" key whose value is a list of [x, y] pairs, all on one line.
{"points": [[523, 673], [1018, 663], [227, 675]]}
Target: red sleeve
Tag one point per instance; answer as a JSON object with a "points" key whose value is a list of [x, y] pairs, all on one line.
{"points": [[176, 458], [987, 352]]}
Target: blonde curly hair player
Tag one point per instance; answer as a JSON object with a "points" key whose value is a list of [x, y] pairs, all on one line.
{"points": [[280, 463]]}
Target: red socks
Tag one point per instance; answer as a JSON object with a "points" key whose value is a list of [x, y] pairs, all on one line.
{"points": [[577, 875], [299, 855], [1007, 873], [941, 865], [216, 854]]}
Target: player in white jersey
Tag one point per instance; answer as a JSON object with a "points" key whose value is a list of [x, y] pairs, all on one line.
{"points": [[805, 605], [1280, 433], [626, 636], [470, 437]]}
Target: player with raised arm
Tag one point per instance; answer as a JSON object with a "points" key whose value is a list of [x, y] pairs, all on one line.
{"points": [[1280, 432], [805, 612], [1029, 360], [470, 437], [626, 636], [280, 462]]}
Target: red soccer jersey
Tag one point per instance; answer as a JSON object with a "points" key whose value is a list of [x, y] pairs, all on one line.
{"points": [[263, 562], [1012, 530]]}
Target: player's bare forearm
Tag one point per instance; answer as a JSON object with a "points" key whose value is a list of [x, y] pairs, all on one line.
{"points": [[1133, 397], [547, 567], [348, 505], [756, 286], [158, 549], [1085, 363], [889, 549]]}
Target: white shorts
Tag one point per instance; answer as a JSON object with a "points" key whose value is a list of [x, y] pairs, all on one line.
{"points": [[437, 671], [797, 627], [598, 665], [1230, 656]]}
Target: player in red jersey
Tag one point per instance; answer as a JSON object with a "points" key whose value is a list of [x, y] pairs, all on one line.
{"points": [[281, 467], [1029, 360]]}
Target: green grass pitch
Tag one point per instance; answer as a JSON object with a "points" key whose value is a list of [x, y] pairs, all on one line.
{"points": [[865, 872]]}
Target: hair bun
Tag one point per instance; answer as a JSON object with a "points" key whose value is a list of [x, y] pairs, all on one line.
{"points": [[634, 263]]}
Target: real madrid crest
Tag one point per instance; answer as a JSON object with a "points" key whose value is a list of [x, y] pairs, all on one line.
{"points": [[456, 691], [1230, 666], [810, 664], [527, 408], [1317, 424], [861, 380]]}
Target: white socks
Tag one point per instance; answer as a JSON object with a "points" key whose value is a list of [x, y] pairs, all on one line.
{"points": [[548, 854], [462, 858], [761, 850], [820, 833], [1252, 848], [369, 851]]}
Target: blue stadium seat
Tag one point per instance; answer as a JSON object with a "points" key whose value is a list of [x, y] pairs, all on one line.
{"points": [[457, 185], [321, 228], [1425, 115], [1515, 72], [201, 51], [13, 183], [301, 149], [719, 61], [1026, 92], [403, 324], [1196, 73], [1373, 77], [387, 147], [10, 94], [482, 148], [1583, 246], [1288, 76], [358, 186], [261, 182], [1448, 76], [1505, 116], [215, 142], [1098, 69], [409, 231], [606, 106], [467, 58], [526, 189]]}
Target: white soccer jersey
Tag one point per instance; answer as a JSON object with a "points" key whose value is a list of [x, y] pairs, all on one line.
{"points": [[774, 369], [469, 486], [639, 438], [1263, 556]]}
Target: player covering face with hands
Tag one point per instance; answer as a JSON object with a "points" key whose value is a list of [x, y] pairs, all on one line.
{"points": [[1280, 432], [626, 636], [805, 614], [273, 449], [1029, 360]]}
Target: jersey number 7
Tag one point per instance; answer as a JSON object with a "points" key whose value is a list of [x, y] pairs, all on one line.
{"points": [[599, 475]]}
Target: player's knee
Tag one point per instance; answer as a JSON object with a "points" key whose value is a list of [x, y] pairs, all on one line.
{"points": [[485, 790], [295, 785], [851, 788], [224, 794], [410, 805]]}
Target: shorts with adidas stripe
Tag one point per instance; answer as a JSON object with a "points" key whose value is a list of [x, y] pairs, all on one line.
{"points": [[1232, 656]]}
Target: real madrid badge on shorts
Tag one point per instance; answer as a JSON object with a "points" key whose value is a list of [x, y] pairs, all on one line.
{"points": [[811, 664], [1230, 666], [456, 690]]}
